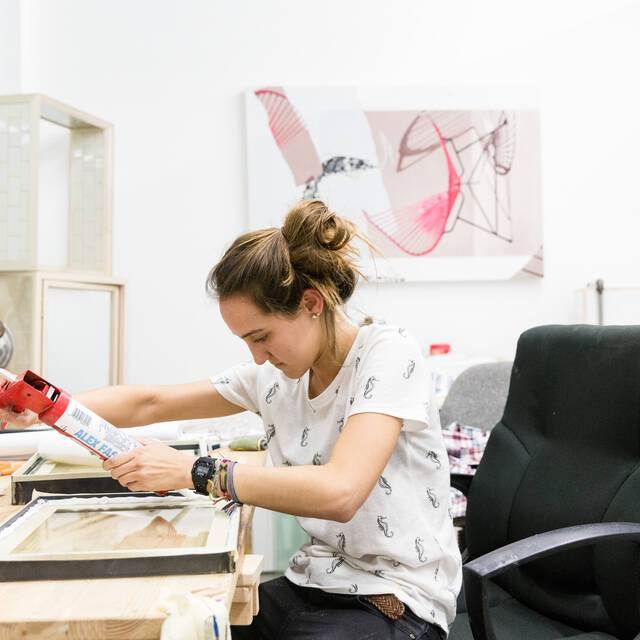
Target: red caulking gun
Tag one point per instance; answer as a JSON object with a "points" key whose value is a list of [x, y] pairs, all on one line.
{"points": [[59, 410]]}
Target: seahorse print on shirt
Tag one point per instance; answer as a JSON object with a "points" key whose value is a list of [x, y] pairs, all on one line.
{"points": [[337, 389], [383, 484], [433, 498], [395, 563], [304, 440], [270, 432], [420, 549], [286, 463], [383, 525], [433, 456], [340, 425], [368, 390], [437, 571], [336, 562], [403, 332], [379, 573], [222, 380], [342, 541], [410, 369], [357, 362], [351, 399], [299, 560], [316, 459], [272, 392], [353, 588]]}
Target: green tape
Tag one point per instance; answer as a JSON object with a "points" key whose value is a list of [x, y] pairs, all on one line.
{"points": [[252, 442]]}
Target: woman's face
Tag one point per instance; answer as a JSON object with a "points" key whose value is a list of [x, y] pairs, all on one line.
{"points": [[290, 343]]}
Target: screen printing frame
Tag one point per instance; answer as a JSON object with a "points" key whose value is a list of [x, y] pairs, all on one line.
{"points": [[213, 557], [26, 479]]}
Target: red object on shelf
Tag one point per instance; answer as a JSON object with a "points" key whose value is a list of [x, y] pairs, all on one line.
{"points": [[439, 349]]}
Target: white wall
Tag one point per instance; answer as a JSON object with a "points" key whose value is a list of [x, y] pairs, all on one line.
{"points": [[170, 75]]}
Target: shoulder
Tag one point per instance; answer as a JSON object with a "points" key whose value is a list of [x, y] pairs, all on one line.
{"points": [[388, 339]]}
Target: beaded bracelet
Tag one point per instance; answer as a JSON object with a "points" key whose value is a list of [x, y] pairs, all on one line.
{"points": [[220, 487]]}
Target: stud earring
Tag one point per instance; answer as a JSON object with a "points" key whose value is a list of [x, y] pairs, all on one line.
{"points": [[314, 316]]}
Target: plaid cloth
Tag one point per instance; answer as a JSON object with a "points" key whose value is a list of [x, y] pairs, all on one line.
{"points": [[465, 446]]}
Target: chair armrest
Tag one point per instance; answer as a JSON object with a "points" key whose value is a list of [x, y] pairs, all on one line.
{"points": [[461, 482], [478, 572]]}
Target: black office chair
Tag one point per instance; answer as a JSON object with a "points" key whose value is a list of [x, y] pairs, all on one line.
{"points": [[553, 510]]}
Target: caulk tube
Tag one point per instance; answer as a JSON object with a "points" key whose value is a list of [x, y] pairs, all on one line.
{"points": [[79, 423]]}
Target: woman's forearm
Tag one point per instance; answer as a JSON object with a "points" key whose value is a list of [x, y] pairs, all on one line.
{"points": [[305, 491], [123, 405]]}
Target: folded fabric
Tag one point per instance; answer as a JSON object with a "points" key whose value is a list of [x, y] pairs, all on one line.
{"points": [[465, 445]]}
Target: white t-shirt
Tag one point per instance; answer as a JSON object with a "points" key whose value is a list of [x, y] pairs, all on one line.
{"points": [[402, 539]]}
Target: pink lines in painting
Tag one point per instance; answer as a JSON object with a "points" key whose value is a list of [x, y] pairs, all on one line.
{"points": [[284, 122], [290, 134], [417, 228]]}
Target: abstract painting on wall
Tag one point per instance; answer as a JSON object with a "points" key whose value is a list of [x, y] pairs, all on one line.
{"points": [[445, 193]]}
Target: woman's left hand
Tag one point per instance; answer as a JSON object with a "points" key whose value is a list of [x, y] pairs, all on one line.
{"points": [[152, 467]]}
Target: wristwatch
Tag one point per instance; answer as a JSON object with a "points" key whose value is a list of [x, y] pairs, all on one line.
{"points": [[202, 471]]}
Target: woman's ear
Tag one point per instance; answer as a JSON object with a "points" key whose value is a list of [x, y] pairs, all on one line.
{"points": [[312, 301]]}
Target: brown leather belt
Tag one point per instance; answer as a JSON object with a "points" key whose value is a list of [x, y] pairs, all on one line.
{"points": [[388, 604]]}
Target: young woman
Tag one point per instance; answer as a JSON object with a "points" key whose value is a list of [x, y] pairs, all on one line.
{"points": [[353, 434]]}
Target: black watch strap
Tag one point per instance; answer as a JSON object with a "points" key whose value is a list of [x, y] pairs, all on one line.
{"points": [[202, 471]]}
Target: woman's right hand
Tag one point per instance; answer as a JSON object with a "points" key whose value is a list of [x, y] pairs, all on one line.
{"points": [[16, 420]]}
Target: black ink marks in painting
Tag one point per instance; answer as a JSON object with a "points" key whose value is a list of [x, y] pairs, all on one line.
{"points": [[336, 562], [340, 425], [342, 541], [383, 484], [433, 498], [383, 525], [433, 456], [270, 432], [272, 392], [304, 440], [353, 588], [410, 369], [420, 550], [334, 165], [316, 459], [222, 380], [369, 387]]}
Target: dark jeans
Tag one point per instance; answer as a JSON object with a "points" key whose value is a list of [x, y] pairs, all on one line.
{"points": [[288, 611]]}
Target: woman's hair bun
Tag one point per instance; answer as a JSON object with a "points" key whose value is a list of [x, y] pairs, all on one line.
{"points": [[312, 222]]}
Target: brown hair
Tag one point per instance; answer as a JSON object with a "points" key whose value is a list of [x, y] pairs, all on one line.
{"points": [[273, 267]]}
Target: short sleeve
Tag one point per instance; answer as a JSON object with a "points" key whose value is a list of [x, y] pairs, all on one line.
{"points": [[238, 385], [392, 378]]}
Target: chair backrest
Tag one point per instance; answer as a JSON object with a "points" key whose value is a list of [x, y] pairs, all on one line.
{"points": [[567, 452], [477, 396]]}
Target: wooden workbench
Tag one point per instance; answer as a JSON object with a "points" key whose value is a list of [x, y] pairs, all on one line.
{"points": [[119, 608]]}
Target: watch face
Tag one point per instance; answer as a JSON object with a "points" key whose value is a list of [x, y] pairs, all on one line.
{"points": [[202, 469]]}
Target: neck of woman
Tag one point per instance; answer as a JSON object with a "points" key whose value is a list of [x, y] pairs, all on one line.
{"points": [[328, 364]]}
